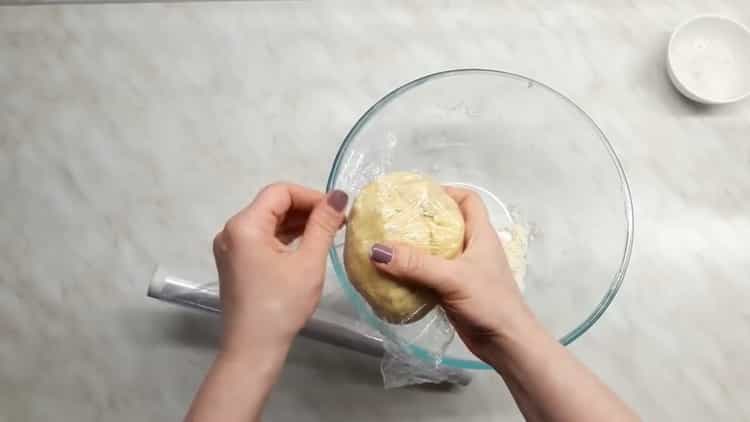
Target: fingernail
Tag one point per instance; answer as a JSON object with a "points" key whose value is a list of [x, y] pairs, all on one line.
{"points": [[381, 254], [338, 199]]}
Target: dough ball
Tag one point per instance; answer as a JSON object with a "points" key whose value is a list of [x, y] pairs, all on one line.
{"points": [[407, 208]]}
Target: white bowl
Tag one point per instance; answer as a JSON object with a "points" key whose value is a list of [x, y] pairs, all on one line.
{"points": [[709, 60]]}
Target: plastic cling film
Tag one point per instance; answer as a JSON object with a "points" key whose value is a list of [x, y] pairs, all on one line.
{"points": [[399, 368], [515, 241], [406, 208]]}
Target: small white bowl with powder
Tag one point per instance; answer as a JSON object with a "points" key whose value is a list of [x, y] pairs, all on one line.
{"points": [[708, 60]]}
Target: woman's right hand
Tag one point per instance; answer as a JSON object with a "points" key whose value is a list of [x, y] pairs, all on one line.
{"points": [[476, 289], [482, 300]]}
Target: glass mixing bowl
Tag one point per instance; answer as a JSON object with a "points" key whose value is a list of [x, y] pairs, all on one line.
{"points": [[534, 156]]}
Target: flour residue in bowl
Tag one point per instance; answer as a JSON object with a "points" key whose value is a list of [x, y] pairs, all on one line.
{"points": [[515, 241]]}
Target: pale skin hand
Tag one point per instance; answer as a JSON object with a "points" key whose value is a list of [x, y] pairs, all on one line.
{"points": [[268, 290], [482, 300]]}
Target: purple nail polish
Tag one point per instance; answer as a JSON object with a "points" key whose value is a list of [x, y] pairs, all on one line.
{"points": [[381, 254], [337, 199]]}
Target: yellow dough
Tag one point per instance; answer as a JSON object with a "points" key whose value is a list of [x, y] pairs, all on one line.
{"points": [[407, 208]]}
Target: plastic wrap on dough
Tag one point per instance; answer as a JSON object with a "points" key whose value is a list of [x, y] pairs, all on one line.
{"points": [[431, 335], [406, 208]]}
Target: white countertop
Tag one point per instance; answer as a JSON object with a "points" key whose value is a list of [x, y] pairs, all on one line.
{"points": [[129, 132]]}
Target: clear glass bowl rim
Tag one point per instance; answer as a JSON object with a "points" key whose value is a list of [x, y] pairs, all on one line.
{"points": [[362, 307]]}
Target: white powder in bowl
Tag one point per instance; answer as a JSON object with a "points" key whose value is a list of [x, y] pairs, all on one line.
{"points": [[515, 241]]}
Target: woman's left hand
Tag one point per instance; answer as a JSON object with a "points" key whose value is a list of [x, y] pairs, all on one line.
{"points": [[268, 288], [268, 291]]}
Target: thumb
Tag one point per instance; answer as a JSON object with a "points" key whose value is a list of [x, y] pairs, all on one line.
{"points": [[324, 221], [407, 262]]}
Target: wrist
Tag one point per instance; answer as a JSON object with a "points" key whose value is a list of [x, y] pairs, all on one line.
{"points": [[246, 336], [237, 384], [248, 346], [518, 333], [263, 358]]}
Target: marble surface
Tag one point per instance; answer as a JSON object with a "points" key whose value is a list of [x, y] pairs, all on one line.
{"points": [[129, 132]]}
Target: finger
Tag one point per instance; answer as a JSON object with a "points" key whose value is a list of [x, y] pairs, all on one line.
{"points": [[293, 226], [325, 220], [270, 207], [475, 213], [470, 203], [278, 198], [409, 263], [220, 245], [287, 237]]}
